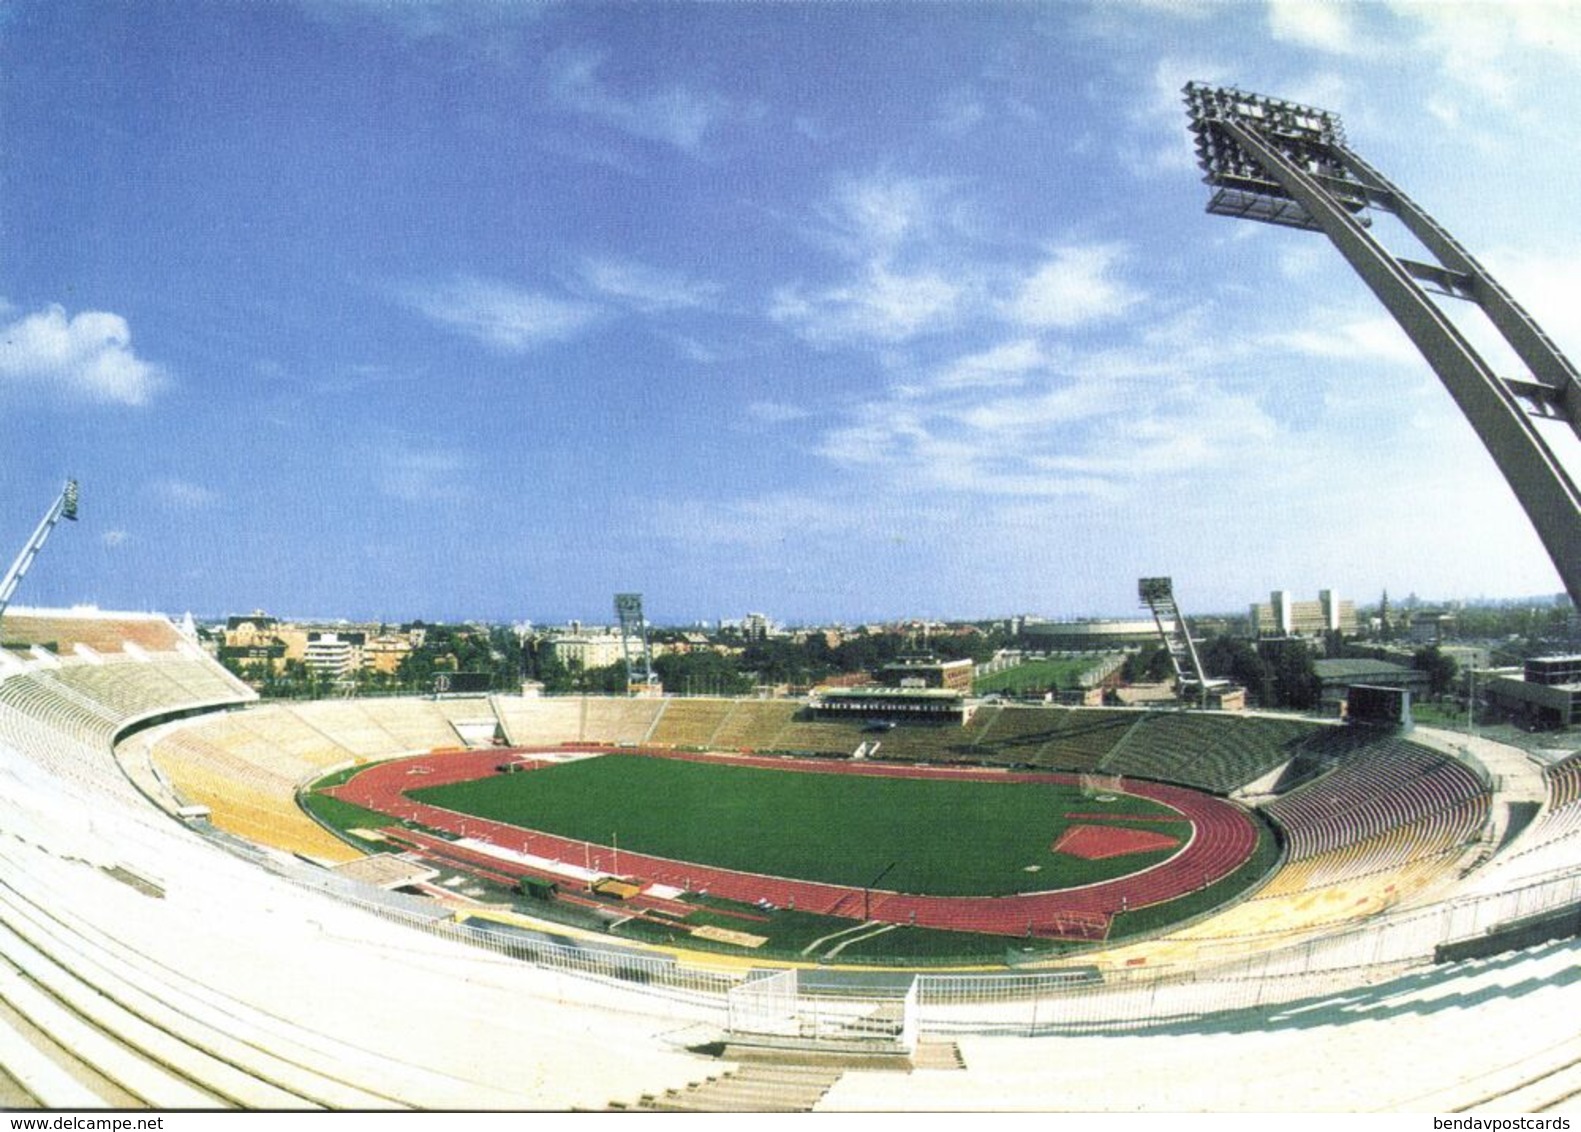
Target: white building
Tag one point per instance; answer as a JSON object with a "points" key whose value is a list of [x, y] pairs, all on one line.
{"points": [[588, 650], [333, 654], [1280, 616]]}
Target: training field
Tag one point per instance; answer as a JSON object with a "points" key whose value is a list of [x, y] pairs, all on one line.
{"points": [[937, 836]]}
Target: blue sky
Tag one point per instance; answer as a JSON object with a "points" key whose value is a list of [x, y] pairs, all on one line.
{"points": [[830, 311]]}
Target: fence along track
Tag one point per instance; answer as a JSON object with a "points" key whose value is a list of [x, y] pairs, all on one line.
{"points": [[1230, 974]]}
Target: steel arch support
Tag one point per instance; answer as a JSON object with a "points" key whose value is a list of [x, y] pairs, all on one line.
{"points": [[1540, 482], [1542, 357]]}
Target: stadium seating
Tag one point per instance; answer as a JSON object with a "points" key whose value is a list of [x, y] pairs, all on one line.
{"points": [[1214, 753], [1017, 733], [833, 737], [103, 633], [205, 995], [1377, 786], [1551, 843], [249, 787], [754, 725], [689, 722], [539, 722], [1343, 1048], [936, 744], [1085, 739], [1440, 836], [619, 720], [144, 965]]}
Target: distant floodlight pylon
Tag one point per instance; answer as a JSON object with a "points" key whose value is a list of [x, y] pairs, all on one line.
{"points": [[1282, 163], [64, 507], [634, 638], [1191, 682]]}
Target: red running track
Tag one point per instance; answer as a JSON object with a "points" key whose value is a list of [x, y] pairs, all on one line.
{"points": [[1224, 839]]}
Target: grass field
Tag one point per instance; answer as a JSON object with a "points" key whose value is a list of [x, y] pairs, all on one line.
{"points": [[1034, 676], [343, 816], [932, 836]]}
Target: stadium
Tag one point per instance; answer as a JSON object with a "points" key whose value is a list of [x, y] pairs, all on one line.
{"points": [[182, 933], [211, 901]]}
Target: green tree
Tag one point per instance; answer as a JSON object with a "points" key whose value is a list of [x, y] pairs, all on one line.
{"points": [[1441, 670], [868, 652], [416, 671], [556, 676], [608, 680], [1150, 664], [1230, 658], [1295, 679], [701, 673]]}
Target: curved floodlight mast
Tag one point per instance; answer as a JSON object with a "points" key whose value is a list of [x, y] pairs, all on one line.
{"points": [[1283, 163], [64, 507]]}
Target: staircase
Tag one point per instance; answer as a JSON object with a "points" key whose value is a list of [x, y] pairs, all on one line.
{"points": [[752, 1088]]}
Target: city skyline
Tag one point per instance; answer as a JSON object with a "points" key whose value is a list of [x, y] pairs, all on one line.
{"points": [[468, 311]]}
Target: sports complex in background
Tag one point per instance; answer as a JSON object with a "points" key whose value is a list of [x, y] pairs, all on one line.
{"points": [[502, 901]]}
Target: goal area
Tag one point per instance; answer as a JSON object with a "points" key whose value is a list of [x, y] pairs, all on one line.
{"points": [[1101, 787]]}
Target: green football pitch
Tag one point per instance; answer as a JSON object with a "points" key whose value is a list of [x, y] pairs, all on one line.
{"points": [[935, 836]]}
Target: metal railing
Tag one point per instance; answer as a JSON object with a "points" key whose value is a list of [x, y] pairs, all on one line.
{"points": [[1233, 973]]}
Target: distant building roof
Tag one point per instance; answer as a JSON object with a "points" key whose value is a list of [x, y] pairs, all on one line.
{"points": [[1356, 669], [261, 620], [866, 691]]}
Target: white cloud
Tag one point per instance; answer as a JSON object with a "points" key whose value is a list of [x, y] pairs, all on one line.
{"points": [[696, 350], [648, 289], [676, 115], [1489, 47], [900, 238], [1548, 286], [184, 494], [86, 357], [1023, 421], [1003, 365], [1178, 9], [777, 412], [498, 314], [1361, 339], [881, 216], [916, 264], [762, 523], [1325, 25], [416, 474], [1297, 259], [961, 111], [114, 538], [879, 304], [1161, 145], [484, 27], [1075, 286]]}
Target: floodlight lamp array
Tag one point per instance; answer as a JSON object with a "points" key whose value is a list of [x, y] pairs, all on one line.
{"points": [[628, 608], [1151, 590], [1309, 138]]}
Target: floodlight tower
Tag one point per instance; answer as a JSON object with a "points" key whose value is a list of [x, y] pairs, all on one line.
{"points": [[64, 507], [1158, 594], [1281, 163], [634, 634]]}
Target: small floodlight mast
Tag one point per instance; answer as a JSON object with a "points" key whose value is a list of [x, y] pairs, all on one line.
{"points": [[1158, 594], [64, 507], [634, 634], [1283, 163]]}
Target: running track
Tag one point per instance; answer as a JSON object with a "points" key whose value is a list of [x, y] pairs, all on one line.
{"points": [[1224, 840]]}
